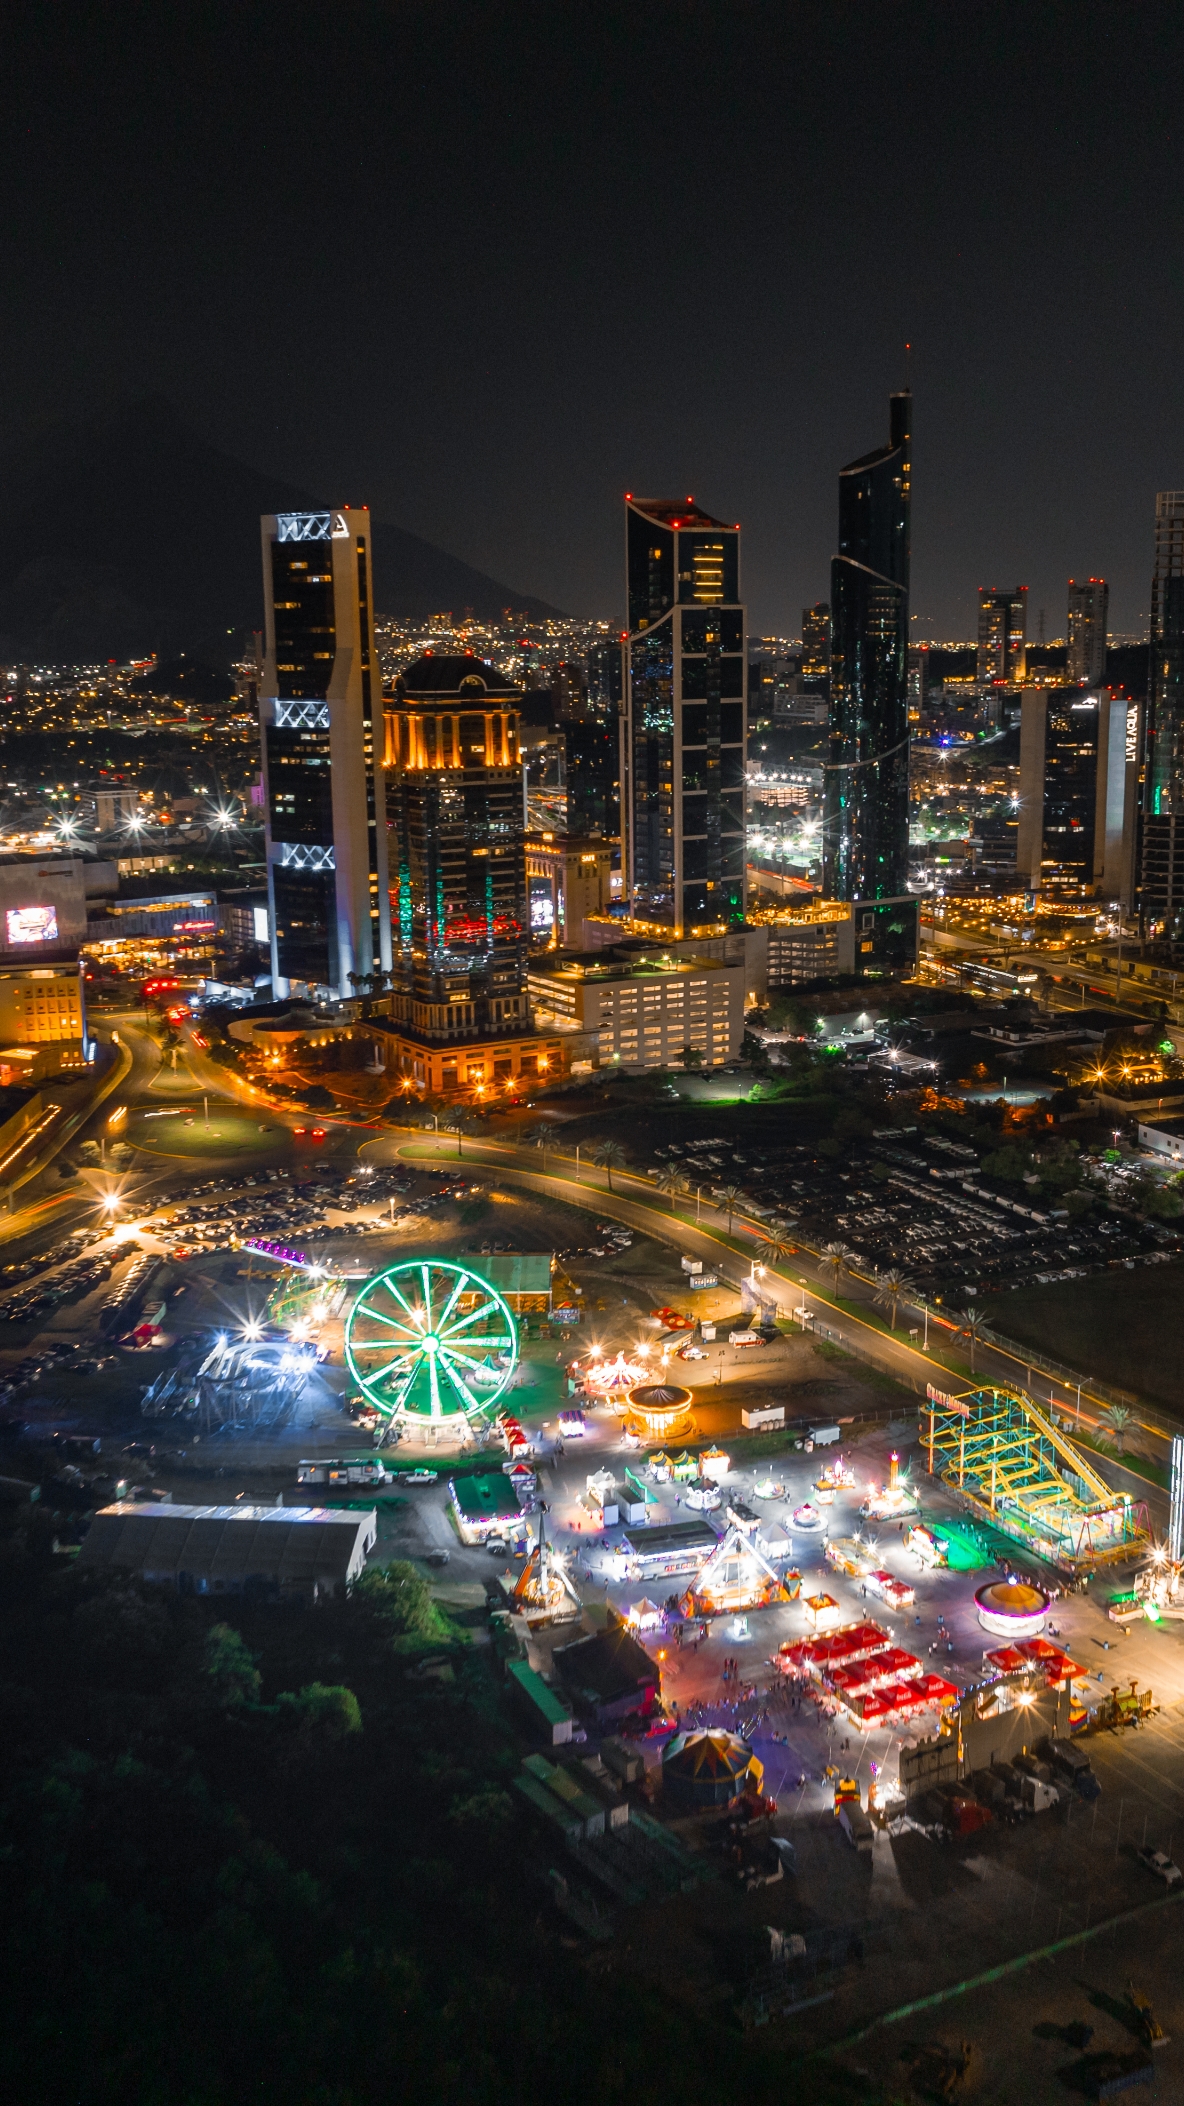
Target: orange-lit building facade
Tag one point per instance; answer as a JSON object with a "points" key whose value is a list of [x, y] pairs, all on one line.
{"points": [[459, 901]]}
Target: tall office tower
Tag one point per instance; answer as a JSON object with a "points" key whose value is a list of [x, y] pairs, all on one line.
{"points": [[866, 821], [682, 783], [454, 799], [1089, 606], [591, 734], [1073, 792], [816, 643], [1002, 627], [606, 680], [1161, 896], [592, 752], [319, 697]]}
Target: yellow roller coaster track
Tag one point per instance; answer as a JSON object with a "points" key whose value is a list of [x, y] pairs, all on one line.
{"points": [[1002, 1453]]}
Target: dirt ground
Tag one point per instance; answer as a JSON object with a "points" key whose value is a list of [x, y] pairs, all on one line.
{"points": [[1027, 2031]]}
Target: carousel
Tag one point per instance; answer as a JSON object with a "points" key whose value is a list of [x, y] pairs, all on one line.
{"points": [[659, 1411], [709, 1767], [1012, 1609]]}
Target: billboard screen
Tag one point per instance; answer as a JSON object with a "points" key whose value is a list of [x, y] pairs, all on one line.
{"points": [[32, 925]]}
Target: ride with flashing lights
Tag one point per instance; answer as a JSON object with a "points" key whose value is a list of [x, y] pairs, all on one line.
{"points": [[431, 1345]]}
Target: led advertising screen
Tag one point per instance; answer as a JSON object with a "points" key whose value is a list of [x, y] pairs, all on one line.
{"points": [[32, 925]]}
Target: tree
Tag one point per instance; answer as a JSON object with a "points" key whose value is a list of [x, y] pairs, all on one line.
{"points": [[671, 1181], [777, 1246], [609, 1156], [1118, 1421], [230, 1665], [691, 1057], [756, 1053], [324, 1711], [540, 1137], [891, 1289], [974, 1324], [458, 1122], [729, 1198], [838, 1257]]}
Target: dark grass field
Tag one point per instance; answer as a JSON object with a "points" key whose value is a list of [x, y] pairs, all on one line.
{"points": [[1125, 1328]]}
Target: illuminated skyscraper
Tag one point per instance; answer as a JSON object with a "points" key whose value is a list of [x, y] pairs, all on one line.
{"points": [[1162, 859], [816, 644], [457, 831], [320, 697], [1002, 628], [682, 790], [1073, 777], [866, 827], [1089, 605]]}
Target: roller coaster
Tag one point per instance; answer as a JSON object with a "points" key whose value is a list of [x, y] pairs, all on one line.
{"points": [[1001, 1452]]}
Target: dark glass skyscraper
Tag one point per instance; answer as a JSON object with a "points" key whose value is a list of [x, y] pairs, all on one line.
{"points": [[320, 697], [866, 827], [682, 793], [1161, 891]]}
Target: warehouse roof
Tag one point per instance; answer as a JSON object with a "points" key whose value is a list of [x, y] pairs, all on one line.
{"points": [[221, 1548], [608, 1666], [490, 1496], [670, 1539], [514, 1271]]}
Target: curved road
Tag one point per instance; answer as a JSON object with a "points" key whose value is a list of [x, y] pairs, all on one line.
{"points": [[633, 1201]]}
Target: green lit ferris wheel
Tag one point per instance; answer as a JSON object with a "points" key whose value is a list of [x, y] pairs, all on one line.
{"points": [[431, 1343]]}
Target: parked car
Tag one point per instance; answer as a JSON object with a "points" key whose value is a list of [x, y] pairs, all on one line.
{"points": [[1161, 1864]]}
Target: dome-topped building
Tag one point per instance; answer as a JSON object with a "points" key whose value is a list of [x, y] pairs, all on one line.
{"points": [[460, 909], [440, 676]]}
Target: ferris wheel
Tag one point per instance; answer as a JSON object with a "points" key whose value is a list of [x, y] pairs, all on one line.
{"points": [[431, 1341]]}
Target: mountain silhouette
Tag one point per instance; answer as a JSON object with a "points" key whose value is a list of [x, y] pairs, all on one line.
{"points": [[128, 534]]}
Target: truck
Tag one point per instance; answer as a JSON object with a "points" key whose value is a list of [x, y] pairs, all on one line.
{"points": [[1071, 1765], [855, 1826]]}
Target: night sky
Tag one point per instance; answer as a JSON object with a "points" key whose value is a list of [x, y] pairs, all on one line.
{"points": [[486, 267]]}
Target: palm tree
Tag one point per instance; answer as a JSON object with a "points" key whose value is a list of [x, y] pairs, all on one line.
{"points": [[730, 1198], [1118, 1419], [891, 1289], [838, 1257], [777, 1245], [610, 1156], [540, 1137], [458, 1122], [974, 1324], [671, 1181]]}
